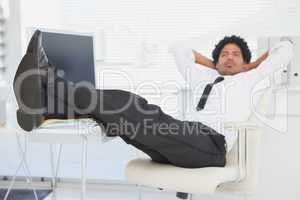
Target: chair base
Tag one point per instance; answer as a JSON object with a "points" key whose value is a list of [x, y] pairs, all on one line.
{"points": [[183, 195]]}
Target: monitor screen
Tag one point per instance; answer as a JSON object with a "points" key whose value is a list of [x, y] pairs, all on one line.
{"points": [[72, 53]]}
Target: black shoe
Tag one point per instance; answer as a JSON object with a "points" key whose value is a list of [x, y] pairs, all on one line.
{"points": [[28, 85], [37, 94]]}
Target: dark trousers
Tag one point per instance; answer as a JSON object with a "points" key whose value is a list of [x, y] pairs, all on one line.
{"points": [[121, 113], [165, 139]]}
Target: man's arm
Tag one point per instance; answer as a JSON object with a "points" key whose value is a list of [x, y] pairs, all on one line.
{"points": [[256, 63], [202, 60]]}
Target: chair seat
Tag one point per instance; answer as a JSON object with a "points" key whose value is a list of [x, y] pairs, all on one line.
{"points": [[195, 181]]}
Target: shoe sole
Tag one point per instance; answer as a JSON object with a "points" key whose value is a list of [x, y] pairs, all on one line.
{"points": [[28, 122], [29, 92]]}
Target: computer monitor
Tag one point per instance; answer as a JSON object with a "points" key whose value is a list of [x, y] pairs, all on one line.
{"points": [[72, 53]]}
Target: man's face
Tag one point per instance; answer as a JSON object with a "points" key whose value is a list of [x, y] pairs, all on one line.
{"points": [[230, 60]]}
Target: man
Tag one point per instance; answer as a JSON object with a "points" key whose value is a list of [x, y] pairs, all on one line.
{"points": [[188, 144], [230, 95]]}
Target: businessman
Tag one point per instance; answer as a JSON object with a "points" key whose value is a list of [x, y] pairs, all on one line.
{"points": [[42, 94]]}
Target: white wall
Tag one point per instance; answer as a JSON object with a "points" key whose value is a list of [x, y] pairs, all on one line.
{"points": [[44, 14], [282, 19], [279, 176], [24, 14], [13, 39]]}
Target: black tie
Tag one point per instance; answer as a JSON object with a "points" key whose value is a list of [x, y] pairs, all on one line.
{"points": [[206, 93]]}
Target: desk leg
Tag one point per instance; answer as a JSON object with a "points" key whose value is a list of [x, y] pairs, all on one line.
{"points": [[83, 167], [23, 163], [55, 168]]}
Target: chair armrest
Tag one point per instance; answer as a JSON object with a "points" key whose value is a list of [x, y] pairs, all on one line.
{"points": [[235, 126]]}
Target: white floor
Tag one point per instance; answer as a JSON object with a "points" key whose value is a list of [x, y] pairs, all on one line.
{"points": [[74, 194], [130, 193], [113, 191]]}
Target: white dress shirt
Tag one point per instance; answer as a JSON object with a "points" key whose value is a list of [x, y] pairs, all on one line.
{"points": [[229, 100]]}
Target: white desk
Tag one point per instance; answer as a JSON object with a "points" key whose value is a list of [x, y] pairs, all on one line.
{"points": [[72, 132]]}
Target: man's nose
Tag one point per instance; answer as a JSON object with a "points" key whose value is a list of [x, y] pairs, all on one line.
{"points": [[230, 57]]}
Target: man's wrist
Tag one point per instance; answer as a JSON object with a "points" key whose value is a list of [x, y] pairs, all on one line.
{"points": [[249, 66], [202, 60]]}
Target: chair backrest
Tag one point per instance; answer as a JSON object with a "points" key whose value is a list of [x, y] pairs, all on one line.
{"points": [[248, 146], [244, 155]]}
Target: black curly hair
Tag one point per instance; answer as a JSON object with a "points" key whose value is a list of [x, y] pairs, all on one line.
{"points": [[246, 53]]}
